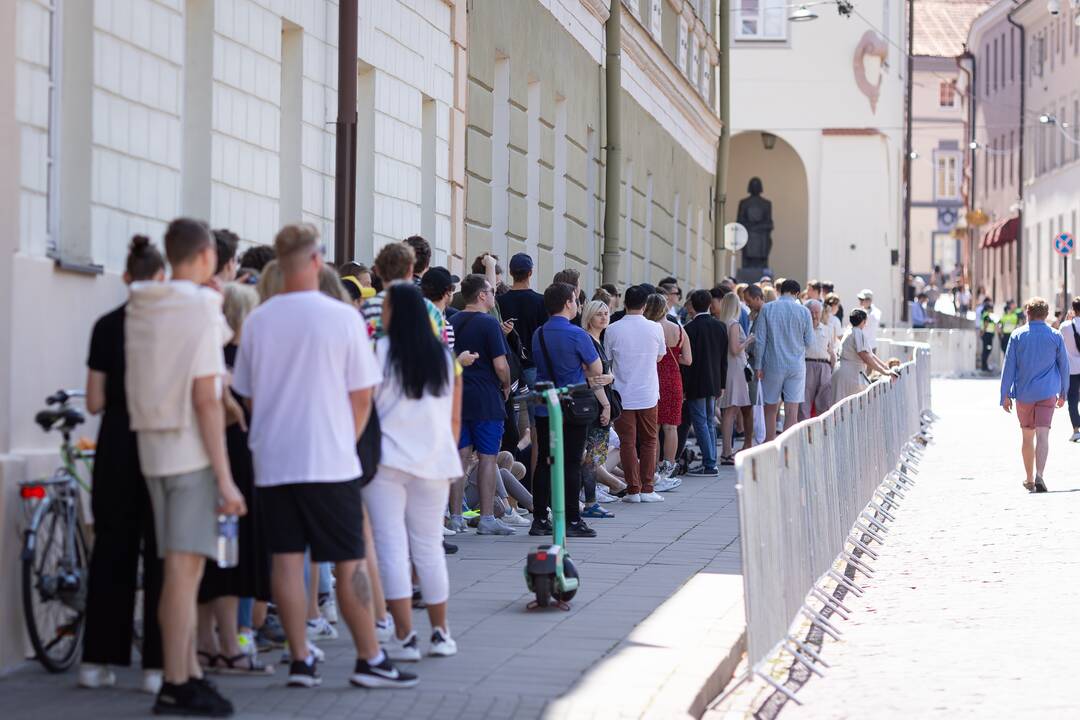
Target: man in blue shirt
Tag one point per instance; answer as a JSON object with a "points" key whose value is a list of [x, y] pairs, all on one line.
{"points": [[486, 385], [783, 330], [564, 355], [1036, 375]]}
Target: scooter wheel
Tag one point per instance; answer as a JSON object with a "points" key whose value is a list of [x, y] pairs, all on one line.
{"points": [[543, 586], [571, 572]]}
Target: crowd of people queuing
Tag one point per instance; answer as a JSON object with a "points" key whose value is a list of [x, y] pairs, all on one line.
{"points": [[355, 417]]}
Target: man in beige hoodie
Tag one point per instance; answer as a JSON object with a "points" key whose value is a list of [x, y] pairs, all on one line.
{"points": [[175, 333]]}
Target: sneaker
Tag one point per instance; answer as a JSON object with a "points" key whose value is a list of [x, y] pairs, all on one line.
{"points": [[195, 698], [246, 642], [271, 635], [321, 629], [403, 650], [447, 532], [442, 645], [493, 526], [383, 675], [95, 676], [286, 656], [151, 681], [667, 484], [664, 471], [303, 674], [595, 511], [328, 608], [651, 497], [449, 548], [384, 629], [579, 530], [512, 519], [457, 524], [540, 527], [1075, 437], [632, 497], [603, 496], [702, 471]]}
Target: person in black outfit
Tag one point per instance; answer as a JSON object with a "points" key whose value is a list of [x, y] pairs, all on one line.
{"points": [[123, 521], [704, 380]]}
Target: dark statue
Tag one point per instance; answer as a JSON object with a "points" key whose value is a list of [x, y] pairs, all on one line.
{"points": [[755, 214]]}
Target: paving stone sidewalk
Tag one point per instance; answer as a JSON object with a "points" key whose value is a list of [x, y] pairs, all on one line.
{"points": [[973, 611], [511, 663]]}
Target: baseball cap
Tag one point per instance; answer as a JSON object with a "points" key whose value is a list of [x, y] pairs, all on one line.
{"points": [[865, 294], [520, 262], [438, 280]]}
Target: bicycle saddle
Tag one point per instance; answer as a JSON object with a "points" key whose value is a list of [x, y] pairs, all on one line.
{"points": [[48, 419]]}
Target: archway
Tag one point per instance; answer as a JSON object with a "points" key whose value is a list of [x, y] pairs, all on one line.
{"points": [[784, 176]]}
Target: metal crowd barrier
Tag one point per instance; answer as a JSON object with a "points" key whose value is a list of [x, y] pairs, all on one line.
{"points": [[813, 501], [955, 352]]}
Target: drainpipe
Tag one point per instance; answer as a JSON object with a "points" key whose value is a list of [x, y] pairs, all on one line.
{"points": [[907, 160], [345, 172], [611, 258], [972, 95], [723, 39], [1020, 159]]}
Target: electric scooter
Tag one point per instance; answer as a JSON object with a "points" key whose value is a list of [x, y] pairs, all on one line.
{"points": [[549, 572]]}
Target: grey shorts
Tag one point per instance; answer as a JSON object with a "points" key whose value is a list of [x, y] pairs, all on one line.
{"points": [[791, 384], [185, 512]]}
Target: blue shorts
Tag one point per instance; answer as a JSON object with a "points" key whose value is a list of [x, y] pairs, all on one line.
{"points": [[791, 384], [485, 436]]}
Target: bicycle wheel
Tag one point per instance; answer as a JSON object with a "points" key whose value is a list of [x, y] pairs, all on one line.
{"points": [[54, 589]]}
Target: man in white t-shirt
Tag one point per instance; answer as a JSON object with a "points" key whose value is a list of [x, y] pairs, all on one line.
{"points": [[307, 369], [873, 318], [635, 345]]}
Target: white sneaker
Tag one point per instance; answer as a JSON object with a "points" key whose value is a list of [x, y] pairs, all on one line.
{"points": [[458, 524], [95, 676], [1075, 437], [403, 650], [320, 629], [651, 497], [447, 532], [328, 608], [603, 496], [632, 497], [667, 484], [286, 656], [442, 645], [514, 520], [246, 641], [384, 629], [151, 681]]}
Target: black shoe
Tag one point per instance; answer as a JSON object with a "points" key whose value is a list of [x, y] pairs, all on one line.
{"points": [[580, 530], [540, 527], [448, 548], [195, 698], [1040, 486], [622, 493], [383, 675], [303, 675]]}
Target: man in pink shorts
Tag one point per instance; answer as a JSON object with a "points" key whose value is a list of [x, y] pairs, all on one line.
{"points": [[1036, 375]]}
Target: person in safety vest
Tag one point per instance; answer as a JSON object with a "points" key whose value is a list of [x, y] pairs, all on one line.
{"points": [[987, 326], [1011, 318]]}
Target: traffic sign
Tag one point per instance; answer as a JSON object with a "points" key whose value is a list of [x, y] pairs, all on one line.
{"points": [[735, 237], [1064, 244]]}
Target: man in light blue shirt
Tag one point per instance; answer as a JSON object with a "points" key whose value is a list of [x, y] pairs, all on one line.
{"points": [[1036, 375], [783, 332]]}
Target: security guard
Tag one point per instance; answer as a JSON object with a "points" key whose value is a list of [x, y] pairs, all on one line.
{"points": [[1011, 318], [987, 324]]}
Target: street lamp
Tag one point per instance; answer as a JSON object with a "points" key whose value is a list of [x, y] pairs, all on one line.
{"points": [[768, 140], [1047, 119], [973, 145], [803, 14], [913, 155]]}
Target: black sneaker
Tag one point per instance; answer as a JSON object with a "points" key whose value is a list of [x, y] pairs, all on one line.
{"points": [[540, 527], [449, 548], [303, 675], [383, 675], [195, 698], [580, 530]]}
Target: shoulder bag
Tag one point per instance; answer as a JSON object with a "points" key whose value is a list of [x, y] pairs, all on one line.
{"points": [[580, 407], [613, 396]]}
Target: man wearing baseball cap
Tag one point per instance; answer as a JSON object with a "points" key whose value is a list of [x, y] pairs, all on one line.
{"points": [[437, 285], [524, 307], [873, 318]]}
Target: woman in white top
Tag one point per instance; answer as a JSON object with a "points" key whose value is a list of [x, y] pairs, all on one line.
{"points": [[855, 357], [832, 312], [419, 412], [736, 397], [1070, 333]]}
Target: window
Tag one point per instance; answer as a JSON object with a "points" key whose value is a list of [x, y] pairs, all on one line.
{"points": [[290, 126], [986, 81], [994, 65], [947, 94], [706, 76], [681, 59], [1073, 129], [656, 12], [1012, 55], [1012, 154], [1001, 60], [695, 58], [762, 20], [947, 175]]}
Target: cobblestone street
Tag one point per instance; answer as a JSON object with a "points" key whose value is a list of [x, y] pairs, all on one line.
{"points": [[973, 609], [660, 597]]}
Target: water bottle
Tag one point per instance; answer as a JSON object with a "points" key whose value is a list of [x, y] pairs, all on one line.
{"points": [[228, 542]]}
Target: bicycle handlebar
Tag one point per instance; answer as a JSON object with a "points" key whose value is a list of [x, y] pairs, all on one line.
{"points": [[60, 397]]}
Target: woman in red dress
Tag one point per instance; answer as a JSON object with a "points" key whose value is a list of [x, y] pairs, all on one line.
{"points": [[669, 410]]}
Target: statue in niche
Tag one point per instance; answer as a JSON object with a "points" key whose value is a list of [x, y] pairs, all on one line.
{"points": [[755, 214]]}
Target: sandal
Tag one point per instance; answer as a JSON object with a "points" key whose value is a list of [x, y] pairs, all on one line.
{"points": [[727, 459], [1029, 486], [596, 511], [207, 661], [1040, 484], [242, 664]]}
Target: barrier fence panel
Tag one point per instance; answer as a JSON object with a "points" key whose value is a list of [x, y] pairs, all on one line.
{"points": [[955, 351], [802, 495]]}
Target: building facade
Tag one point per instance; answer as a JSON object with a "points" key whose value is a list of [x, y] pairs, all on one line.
{"points": [[818, 115]]}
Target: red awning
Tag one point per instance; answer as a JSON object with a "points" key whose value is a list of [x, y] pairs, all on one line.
{"points": [[1001, 232]]}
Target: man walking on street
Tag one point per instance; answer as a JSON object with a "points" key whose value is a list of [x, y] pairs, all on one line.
{"points": [[784, 332], [1036, 375]]}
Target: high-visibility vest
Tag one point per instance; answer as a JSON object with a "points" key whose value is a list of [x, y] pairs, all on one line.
{"points": [[1008, 322], [987, 322]]}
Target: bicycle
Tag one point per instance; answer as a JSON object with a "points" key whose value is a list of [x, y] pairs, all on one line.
{"points": [[55, 554]]}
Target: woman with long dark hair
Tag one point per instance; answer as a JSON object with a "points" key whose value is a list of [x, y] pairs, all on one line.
{"points": [[405, 501], [121, 505]]}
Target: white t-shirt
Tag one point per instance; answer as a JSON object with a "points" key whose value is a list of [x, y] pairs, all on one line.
{"points": [[870, 327], [431, 453], [634, 345], [837, 328], [301, 354]]}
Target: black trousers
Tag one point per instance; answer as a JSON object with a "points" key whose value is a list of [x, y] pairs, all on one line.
{"points": [[987, 348], [573, 450], [1074, 400], [123, 524]]}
